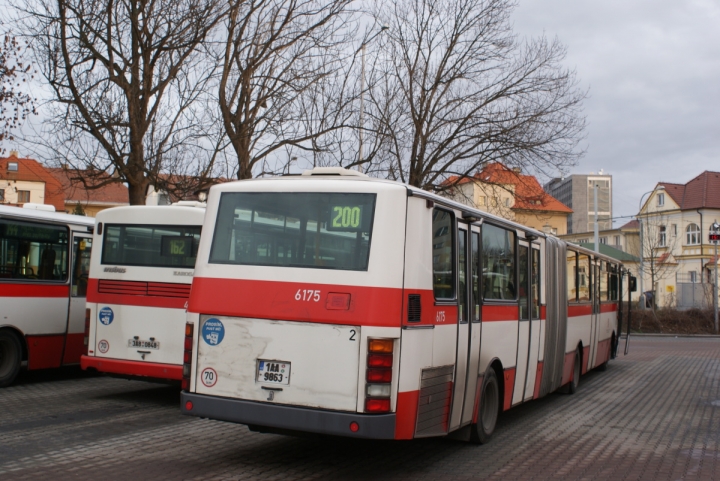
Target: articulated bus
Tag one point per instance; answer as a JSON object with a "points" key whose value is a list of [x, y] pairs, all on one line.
{"points": [[338, 304], [140, 277], [44, 263]]}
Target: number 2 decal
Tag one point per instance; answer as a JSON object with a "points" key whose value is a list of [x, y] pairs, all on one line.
{"points": [[352, 336]]}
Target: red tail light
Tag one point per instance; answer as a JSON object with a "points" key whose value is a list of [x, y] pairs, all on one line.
{"points": [[379, 360], [377, 405], [187, 356], [379, 375], [86, 340]]}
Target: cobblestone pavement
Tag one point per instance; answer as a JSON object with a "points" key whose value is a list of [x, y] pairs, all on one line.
{"points": [[655, 415]]}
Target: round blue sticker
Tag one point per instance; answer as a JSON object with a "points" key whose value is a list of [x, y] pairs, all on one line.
{"points": [[106, 315], [213, 331]]}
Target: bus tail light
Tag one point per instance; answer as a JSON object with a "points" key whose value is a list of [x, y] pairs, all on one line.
{"points": [[86, 340], [378, 375], [187, 356]]}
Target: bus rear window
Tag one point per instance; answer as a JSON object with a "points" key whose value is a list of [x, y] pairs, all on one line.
{"points": [[150, 245], [294, 229]]}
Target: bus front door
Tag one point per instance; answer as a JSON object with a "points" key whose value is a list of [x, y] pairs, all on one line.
{"points": [[75, 329], [468, 327]]}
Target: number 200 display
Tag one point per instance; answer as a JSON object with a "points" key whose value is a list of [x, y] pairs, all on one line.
{"points": [[346, 217]]}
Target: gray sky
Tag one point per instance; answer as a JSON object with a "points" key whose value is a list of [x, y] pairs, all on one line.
{"points": [[653, 72]]}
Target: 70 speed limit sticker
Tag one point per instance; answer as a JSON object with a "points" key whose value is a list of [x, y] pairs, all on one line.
{"points": [[208, 377]]}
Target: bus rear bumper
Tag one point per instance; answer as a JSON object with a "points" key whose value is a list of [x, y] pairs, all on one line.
{"points": [[291, 418], [132, 368]]}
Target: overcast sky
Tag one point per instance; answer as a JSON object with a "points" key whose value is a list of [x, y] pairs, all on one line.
{"points": [[652, 68]]}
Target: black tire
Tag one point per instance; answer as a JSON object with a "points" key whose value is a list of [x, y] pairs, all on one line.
{"points": [[10, 357], [488, 409], [577, 368]]}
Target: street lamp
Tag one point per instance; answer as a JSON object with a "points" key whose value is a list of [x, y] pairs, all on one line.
{"points": [[642, 245], [714, 239], [362, 93]]}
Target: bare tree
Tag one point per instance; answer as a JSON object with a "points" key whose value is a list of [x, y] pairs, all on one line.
{"points": [[282, 89], [126, 76], [15, 103], [451, 88]]}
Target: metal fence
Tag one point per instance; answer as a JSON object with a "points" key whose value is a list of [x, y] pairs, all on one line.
{"points": [[691, 292]]}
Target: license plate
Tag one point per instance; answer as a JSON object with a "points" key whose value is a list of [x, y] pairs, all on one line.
{"points": [[273, 372], [143, 344]]}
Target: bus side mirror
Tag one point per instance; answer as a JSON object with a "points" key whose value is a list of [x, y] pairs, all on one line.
{"points": [[633, 284]]}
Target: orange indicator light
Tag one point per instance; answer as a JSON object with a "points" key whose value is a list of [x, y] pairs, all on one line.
{"points": [[380, 345]]}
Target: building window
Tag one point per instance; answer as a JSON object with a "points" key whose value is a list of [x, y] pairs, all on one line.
{"points": [[12, 166], [662, 238], [507, 201], [603, 240], [616, 240], [693, 276], [2, 195], [692, 235], [673, 229], [23, 196], [661, 200], [482, 200]]}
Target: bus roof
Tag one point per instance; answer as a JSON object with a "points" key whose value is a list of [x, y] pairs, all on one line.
{"points": [[336, 173], [58, 217], [176, 214]]}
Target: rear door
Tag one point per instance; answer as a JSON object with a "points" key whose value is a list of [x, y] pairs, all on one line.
{"points": [[79, 271]]}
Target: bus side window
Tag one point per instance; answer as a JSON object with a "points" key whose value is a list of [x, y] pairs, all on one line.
{"points": [[443, 255], [583, 278], [572, 279], [33, 251], [498, 256]]}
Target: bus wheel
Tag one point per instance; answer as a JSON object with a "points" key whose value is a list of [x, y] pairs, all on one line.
{"points": [[572, 387], [10, 357], [489, 408]]}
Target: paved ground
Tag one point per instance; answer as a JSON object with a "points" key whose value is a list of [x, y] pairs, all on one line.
{"points": [[655, 414]]}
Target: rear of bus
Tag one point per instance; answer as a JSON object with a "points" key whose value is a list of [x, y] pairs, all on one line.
{"points": [[295, 315], [140, 277]]}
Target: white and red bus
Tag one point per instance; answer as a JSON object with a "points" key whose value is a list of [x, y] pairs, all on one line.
{"points": [[44, 262], [339, 304], [140, 277]]}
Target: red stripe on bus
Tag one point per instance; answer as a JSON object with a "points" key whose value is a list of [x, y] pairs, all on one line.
{"points": [[585, 359], [45, 351], [369, 306], [34, 290], [610, 307], [575, 310], [603, 352], [500, 313], [509, 376], [74, 348], [543, 312], [132, 300], [406, 414], [132, 368], [538, 380]]}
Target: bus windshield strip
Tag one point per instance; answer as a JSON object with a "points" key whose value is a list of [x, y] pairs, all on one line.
{"points": [[150, 245], [294, 229]]}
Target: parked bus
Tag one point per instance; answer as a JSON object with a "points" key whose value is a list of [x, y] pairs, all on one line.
{"points": [[44, 263], [140, 276], [339, 304]]}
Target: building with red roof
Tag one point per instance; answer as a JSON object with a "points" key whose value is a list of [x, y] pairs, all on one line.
{"points": [[513, 195], [24, 180], [676, 221], [92, 191]]}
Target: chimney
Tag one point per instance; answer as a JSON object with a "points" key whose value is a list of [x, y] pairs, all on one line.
{"points": [[517, 170], [14, 153]]}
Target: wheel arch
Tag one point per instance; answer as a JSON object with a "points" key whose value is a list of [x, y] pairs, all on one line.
{"points": [[20, 336]]}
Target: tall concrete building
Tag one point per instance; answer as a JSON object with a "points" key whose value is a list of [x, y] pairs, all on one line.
{"points": [[577, 193]]}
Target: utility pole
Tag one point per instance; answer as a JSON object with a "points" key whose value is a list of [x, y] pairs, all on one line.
{"points": [[597, 233], [715, 239]]}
